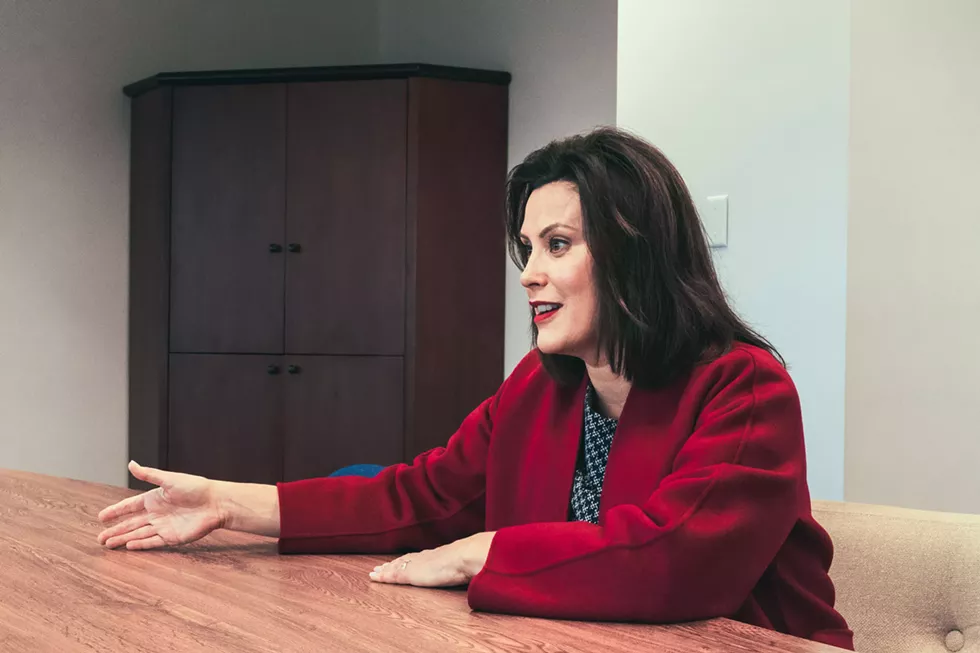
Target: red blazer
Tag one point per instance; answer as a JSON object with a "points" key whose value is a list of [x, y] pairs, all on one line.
{"points": [[705, 510]]}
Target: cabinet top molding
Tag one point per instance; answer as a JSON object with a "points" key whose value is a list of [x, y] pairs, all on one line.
{"points": [[315, 74]]}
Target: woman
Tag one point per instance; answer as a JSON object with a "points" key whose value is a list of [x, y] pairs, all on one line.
{"points": [[644, 463]]}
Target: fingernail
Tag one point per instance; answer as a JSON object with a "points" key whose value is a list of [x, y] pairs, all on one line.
{"points": [[373, 574], [378, 568]]}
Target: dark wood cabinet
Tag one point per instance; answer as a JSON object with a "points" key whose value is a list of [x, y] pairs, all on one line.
{"points": [[229, 190], [341, 410], [317, 265], [346, 195], [226, 416]]}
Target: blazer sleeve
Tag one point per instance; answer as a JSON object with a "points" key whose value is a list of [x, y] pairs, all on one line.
{"points": [[437, 499], [695, 548]]}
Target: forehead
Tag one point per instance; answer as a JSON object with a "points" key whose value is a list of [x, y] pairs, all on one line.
{"points": [[554, 202]]}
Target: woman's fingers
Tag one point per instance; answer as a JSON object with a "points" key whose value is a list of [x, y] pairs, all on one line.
{"points": [[439, 567], [148, 474], [123, 527], [132, 504], [129, 536], [392, 572], [124, 507], [153, 542]]}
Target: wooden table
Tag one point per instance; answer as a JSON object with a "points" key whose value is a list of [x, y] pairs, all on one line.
{"points": [[62, 592]]}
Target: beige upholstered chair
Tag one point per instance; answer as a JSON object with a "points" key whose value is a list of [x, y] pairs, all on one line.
{"points": [[907, 580]]}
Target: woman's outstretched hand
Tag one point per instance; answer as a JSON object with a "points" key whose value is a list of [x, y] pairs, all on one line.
{"points": [[182, 509]]}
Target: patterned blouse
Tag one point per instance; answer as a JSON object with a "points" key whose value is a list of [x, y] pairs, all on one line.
{"points": [[597, 435]]}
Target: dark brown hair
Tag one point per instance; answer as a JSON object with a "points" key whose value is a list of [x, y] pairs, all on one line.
{"points": [[661, 308]]}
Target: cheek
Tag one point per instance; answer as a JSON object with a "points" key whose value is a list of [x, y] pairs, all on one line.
{"points": [[581, 298], [585, 295], [586, 312]]}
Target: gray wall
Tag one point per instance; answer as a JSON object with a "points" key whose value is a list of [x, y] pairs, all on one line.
{"points": [[913, 259]]}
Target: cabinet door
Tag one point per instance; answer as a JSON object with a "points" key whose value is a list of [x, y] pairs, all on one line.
{"points": [[345, 287], [225, 416], [229, 145], [342, 410]]}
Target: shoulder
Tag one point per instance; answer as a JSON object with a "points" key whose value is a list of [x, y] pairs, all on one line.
{"points": [[528, 373], [530, 385], [746, 364], [745, 378], [528, 366]]}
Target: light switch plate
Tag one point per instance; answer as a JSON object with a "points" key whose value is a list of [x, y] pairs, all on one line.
{"points": [[715, 219]]}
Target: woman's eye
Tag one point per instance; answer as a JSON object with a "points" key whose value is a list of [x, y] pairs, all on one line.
{"points": [[557, 245]]}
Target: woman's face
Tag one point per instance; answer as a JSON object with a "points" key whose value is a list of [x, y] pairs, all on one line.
{"points": [[558, 274]]}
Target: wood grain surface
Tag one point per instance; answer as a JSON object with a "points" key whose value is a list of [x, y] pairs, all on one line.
{"points": [[62, 592]]}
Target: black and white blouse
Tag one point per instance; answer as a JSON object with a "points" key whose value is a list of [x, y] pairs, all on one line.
{"points": [[597, 436]]}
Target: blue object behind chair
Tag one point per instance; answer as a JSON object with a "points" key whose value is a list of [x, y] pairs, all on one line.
{"points": [[359, 470]]}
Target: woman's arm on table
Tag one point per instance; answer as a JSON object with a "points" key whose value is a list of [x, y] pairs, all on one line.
{"points": [[184, 508]]}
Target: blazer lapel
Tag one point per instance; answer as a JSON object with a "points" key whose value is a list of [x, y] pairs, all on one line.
{"points": [[553, 453], [642, 449]]}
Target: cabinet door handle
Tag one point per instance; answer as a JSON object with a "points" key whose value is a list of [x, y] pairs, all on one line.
{"points": [[275, 248], [294, 248], [272, 369], [294, 369]]}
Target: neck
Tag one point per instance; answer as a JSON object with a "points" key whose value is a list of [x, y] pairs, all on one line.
{"points": [[611, 389]]}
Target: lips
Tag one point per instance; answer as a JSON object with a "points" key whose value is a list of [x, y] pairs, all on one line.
{"points": [[544, 311]]}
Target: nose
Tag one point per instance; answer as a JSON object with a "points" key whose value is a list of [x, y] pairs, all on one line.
{"points": [[532, 275]]}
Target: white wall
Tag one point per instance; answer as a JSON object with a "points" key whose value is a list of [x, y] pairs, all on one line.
{"points": [[913, 355], [562, 55], [750, 99], [64, 171]]}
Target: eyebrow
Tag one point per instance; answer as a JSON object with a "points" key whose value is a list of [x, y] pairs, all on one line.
{"points": [[551, 227]]}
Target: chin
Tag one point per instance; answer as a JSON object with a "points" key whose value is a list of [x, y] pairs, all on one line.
{"points": [[552, 348], [546, 347]]}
